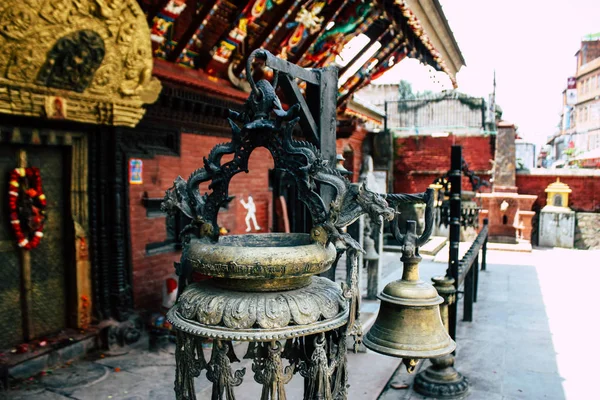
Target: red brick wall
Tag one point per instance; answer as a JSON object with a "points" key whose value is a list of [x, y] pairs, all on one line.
{"points": [[419, 160], [354, 142], [585, 195], [149, 272]]}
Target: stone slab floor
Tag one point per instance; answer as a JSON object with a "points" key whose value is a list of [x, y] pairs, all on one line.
{"points": [[535, 329], [534, 336]]}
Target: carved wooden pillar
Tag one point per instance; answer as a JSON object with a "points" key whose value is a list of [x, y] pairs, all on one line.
{"points": [[120, 286]]}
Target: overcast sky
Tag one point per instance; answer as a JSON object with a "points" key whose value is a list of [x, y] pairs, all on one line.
{"points": [[530, 43]]}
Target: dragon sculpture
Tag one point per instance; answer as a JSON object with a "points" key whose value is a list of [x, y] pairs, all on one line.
{"points": [[264, 123]]}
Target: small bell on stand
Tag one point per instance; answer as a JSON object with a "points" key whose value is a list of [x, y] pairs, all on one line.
{"points": [[409, 324], [371, 260], [340, 165], [370, 252]]}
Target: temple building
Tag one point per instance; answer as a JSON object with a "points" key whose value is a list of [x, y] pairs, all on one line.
{"points": [[103, 104]]}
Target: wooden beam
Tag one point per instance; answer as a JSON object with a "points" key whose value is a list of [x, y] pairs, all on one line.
{"points": [[26, 283], [191, 30], [360, 53], [277, 22], [285, 11], [153, 12], [336, 7], [386, 55]]}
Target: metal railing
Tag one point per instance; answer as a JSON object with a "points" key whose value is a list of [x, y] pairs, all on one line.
{"points": [[461, 270], [441, 380], [468, 272]]}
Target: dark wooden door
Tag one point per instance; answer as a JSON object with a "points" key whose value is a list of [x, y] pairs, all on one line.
{"points": [[48, 261]]}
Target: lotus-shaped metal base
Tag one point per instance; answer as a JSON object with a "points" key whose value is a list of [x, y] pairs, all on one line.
{"points": [[205, 310]]}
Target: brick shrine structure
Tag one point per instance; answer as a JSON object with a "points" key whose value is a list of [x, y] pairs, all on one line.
{"points": [[508, 212]]}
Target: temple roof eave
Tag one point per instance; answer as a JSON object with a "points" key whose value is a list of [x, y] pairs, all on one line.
{"points": [[431, 15]]}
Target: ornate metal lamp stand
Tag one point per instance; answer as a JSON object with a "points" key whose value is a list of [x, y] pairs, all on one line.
{"points": [[264, 289]]}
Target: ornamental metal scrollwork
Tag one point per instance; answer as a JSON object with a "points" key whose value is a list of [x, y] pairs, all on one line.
{"points": [[262, 291], [469, 209], [220, 373], [269, 371], [317, 372], [245, 310], [300, 159], [190, 362]]}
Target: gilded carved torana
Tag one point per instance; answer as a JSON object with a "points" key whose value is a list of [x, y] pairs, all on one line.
{"points": [[82, 60]]}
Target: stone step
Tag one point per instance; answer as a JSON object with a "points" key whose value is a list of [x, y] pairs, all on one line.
{"points": [[433, 245], [431, 248], [443, 255], [521, 246], [23, 366]]}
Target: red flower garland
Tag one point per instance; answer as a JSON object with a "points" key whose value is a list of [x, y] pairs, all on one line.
{"points": [[27, 182]]}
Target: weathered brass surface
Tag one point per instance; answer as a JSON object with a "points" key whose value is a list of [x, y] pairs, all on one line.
{"points": [[267, 262], [81, 60], [263, 288], [409, 323], [441, 380], [209, 311]]}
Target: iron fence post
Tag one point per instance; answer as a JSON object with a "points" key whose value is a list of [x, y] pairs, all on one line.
{"points": [[390, 182], [483, 107], [476, 277], [455, 176], [484, 249], [468, 299]]}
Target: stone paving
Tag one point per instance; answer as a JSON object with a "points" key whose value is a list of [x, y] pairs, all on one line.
{"points": [[533, 337], [534, 330]]}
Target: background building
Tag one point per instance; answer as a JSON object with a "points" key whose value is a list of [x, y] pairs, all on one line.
{"points": [[425, 126], [579, 133]]}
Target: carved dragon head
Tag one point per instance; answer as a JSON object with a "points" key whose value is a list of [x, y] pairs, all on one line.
{"points": [[373, 204], [177, 199]]}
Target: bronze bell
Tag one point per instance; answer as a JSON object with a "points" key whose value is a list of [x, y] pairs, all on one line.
{"points": [[409, 324], [370, 252]]}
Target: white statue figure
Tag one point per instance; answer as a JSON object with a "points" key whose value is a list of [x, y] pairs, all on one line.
{"points": [[251, 214]]}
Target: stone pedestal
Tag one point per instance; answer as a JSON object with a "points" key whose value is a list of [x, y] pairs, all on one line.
{"points": [[557, 227], [509, 213], [509, 216]]}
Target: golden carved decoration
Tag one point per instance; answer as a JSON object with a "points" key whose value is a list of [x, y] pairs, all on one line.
{"points": [[94, 54], [209, 311]]}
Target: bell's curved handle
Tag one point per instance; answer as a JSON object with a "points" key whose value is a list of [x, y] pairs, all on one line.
{"points": [[425, 197]]}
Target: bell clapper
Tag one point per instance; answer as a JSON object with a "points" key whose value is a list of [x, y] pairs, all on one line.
{"points": [[410, 364]]}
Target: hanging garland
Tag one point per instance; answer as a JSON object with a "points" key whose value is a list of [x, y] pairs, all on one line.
{"points": [[26, 205]]}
